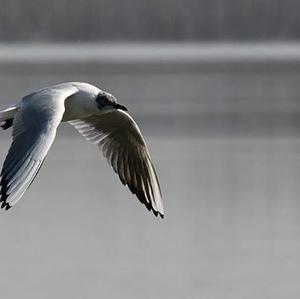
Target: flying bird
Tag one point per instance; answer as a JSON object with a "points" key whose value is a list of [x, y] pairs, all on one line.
{"points": [[98, 117]]}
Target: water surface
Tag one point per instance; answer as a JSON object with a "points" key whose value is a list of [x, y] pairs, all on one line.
{"points": [[225, 141]]}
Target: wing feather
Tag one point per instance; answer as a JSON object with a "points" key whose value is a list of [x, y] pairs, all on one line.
{"points": [[123, 145], [34, 129]]}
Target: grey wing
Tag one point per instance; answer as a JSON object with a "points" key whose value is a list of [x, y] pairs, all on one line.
{"points": [[33, 134], [123, 145]]}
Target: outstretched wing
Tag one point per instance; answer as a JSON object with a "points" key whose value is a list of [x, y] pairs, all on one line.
{"points": [[123, 145], [34, 129]]}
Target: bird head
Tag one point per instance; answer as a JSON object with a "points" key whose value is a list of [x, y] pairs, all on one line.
{"points": [[106, 101]]}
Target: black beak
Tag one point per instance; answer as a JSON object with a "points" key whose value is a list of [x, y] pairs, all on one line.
{"points": [[118, 106]]}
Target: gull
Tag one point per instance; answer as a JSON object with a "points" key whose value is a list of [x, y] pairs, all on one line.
{"points": [[98, 117]]}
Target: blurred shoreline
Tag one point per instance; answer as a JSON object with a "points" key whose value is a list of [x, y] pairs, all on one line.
{"points": [[207, 89], [168, 52]]}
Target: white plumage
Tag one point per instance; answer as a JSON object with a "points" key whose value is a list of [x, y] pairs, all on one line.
{"points": [[98, 117]]}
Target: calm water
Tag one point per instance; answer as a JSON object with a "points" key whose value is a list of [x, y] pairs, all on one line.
{"points": [[230, 186], [231, 230]]}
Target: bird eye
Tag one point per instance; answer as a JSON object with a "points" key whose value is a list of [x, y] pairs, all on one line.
{"points": [[102, 100]]}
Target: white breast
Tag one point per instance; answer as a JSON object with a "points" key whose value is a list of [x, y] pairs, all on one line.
{"points": [[81, 104]]}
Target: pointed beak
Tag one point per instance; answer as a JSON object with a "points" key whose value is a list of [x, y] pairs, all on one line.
{"points": [[118, 106]]}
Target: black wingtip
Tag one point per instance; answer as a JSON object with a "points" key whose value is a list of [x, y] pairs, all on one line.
{"points": [[156, 213], [8, 206], [5, 206], [3, 193], [7, 123]]}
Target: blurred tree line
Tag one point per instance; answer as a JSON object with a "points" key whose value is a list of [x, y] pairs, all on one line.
{"points": [[93, 20]]}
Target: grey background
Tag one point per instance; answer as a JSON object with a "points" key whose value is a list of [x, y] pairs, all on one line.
{"points": [[221, 118], [182, 20]]}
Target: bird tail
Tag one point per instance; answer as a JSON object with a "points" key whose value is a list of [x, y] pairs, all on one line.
{"points": [[7, 117]]}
